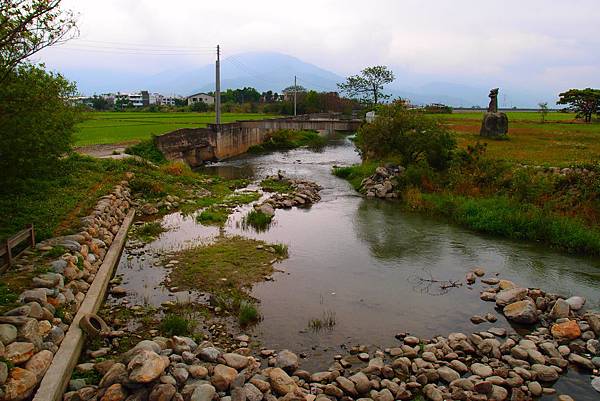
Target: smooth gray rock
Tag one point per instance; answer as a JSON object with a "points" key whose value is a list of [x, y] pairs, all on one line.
{"points": [[203, 392], [8, 333]]}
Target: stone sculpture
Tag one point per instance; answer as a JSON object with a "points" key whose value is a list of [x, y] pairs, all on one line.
{"points": [[495, 124]]}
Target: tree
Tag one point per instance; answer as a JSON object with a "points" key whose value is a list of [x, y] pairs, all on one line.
{"points": [[543, 111], [368, 86], [37, 121], [585, 102], [409, 134], [27, 26]]}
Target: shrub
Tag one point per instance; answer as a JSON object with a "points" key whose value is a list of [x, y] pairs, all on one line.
{"points": [[147, 150], [410, 134], [176, 168], [146, 186], [175, 325]]}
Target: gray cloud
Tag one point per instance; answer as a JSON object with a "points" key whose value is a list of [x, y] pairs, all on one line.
{"points": [[546, 45]]}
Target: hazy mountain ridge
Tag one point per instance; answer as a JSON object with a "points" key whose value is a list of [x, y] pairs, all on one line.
{"points": [[275, 71]]}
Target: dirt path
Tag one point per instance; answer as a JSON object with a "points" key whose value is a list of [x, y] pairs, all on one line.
{"points": [[103, 151]]}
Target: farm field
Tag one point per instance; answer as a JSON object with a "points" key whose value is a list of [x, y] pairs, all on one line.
{"points": [[127, 127], [560, 141]]}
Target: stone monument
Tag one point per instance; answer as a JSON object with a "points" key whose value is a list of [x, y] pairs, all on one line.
{"points": [[495, 124]]}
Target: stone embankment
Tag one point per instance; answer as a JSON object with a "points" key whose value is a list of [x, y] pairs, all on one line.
{"points": [[383, 183], [31, 333], [303, 193], [494, 364]]}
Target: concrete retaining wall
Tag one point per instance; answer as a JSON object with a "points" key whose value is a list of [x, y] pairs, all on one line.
{"points": [[218, 142]]}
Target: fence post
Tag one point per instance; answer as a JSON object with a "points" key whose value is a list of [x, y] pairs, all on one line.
{"points": [[32, 235]]}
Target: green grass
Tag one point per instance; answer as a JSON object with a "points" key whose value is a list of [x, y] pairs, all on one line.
{"points": [[149, 231], [228, 265], [56, 252], [560, 141], [289, 139], [175, 325], [258, 220], [356, 173], [54, 203], [123, 127], [501, 216], [7, 297], [248, 313], [213, 216], [279, 186]]}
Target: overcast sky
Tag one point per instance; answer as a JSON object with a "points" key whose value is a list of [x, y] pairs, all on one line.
{"points": [[550, 45]]}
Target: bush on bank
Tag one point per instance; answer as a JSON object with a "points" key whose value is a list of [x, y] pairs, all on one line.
{"points": [[486, 195]]}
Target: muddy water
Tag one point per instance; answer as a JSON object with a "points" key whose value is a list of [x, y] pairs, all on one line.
{"points": [[367, 265]]}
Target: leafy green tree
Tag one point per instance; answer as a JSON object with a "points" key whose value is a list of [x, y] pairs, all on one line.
{"points": [[409, 134], [37, 121], [585, 102], [368, 86], [27, 26], [99, 103], [200, 107], [543, 111]]}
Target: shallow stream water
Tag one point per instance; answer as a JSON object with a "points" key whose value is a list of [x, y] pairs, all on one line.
{"points": [[368, 265]]}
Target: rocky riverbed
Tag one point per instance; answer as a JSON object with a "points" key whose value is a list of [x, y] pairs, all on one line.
{"points": [[557, 334]]}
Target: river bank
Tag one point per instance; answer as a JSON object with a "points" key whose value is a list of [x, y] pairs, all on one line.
{"points": [[365, 269]]}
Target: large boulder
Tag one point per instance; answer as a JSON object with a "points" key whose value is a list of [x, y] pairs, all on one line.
{"points": [[560, 309], [568, 330], [521, 312], [20, 385], [281, 383], [287, 361], [510, 296], [147, 366], [223, 376]]}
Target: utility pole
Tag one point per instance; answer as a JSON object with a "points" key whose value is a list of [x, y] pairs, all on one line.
{"points": [[218, 87], [295, 91]]}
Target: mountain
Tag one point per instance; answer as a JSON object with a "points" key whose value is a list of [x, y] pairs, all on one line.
{"points": [[275, 71], [261, 70]]}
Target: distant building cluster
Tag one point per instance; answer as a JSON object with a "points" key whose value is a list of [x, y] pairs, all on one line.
{"points": [[140, 99]]}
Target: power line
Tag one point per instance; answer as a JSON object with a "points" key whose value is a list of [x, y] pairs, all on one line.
{"points": [[139, 45]]}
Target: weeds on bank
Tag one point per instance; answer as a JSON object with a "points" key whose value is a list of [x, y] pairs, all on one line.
{"points": [[213, 216], [149, 231], [289, 139], [327, 321], [356, 173], [279, 186], [176, 325], [258, 220], [248, 314], [147, 150], [56, 252], [91, 377]]}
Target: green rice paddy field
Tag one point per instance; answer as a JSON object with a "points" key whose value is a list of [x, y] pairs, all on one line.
{"points": [[127, 127]]}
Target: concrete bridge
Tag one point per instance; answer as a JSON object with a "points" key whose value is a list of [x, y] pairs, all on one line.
{"points": [[222, 141]]}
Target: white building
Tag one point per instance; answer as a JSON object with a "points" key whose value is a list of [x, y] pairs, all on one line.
{"points": [[200, 97]]}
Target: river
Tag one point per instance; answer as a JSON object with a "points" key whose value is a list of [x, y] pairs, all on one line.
{"points": [[369, 265]]}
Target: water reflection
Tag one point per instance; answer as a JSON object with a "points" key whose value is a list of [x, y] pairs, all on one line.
{"points": [[361, 258]]}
